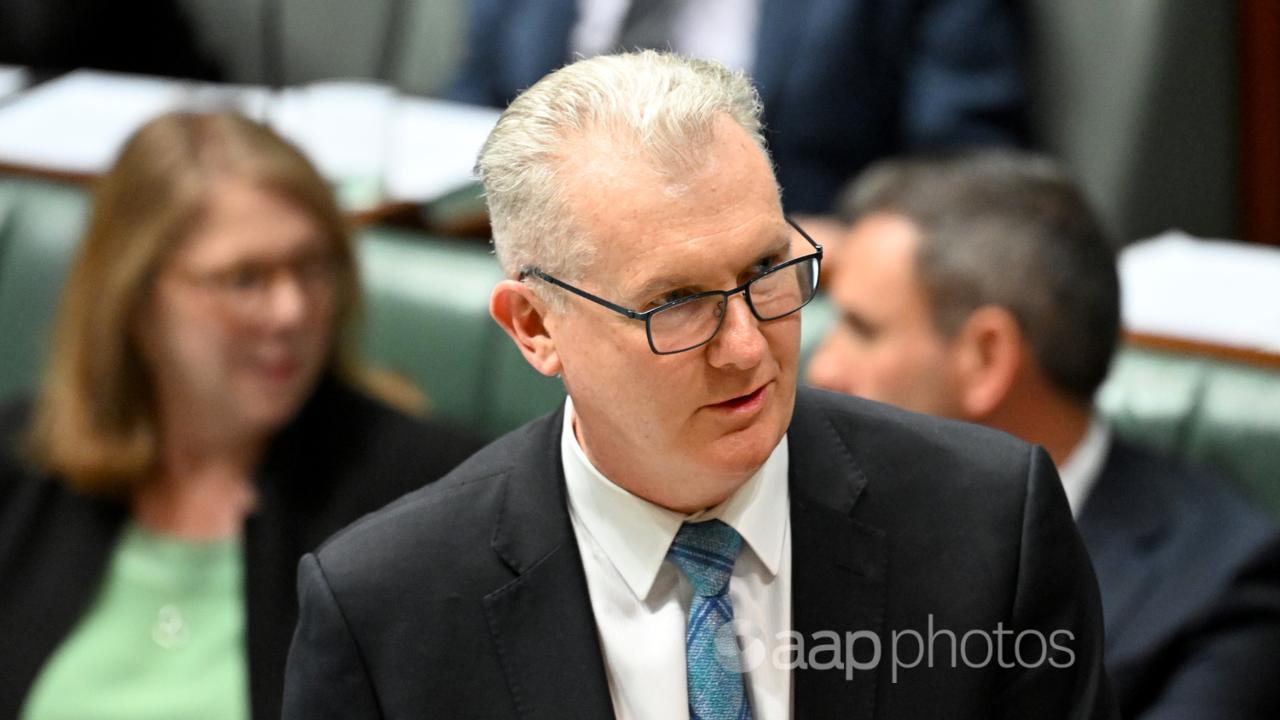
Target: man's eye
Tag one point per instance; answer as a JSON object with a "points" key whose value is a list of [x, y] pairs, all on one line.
{"points": [[765, 264], [669, 297]]}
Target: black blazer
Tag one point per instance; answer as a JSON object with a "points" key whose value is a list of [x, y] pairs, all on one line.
{"points": [[1190, 577], [343, 456], [467, 599]]}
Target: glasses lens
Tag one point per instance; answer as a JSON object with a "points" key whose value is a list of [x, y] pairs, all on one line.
{"points": [[686, 325], [784, 291]]}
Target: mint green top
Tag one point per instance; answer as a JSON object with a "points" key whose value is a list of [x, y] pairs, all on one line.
{"points": [[165, 638]]}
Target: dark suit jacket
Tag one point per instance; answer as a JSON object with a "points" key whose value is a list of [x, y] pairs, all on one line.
{"points": [[1190, 577], [468, 599], [843, 81], [343, 456]]}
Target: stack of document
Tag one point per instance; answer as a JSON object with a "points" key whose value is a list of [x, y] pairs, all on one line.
{"points": [[1215, 291], [374, 145]]}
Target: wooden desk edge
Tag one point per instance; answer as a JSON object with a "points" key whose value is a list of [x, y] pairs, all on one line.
{"points": [[1249, 356], [390, 212]]}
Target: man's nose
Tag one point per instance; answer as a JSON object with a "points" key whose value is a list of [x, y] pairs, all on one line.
{"points": [[739, 343]]}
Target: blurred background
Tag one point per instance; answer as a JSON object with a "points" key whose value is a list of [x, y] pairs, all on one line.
{"points": [[1165, 111]]}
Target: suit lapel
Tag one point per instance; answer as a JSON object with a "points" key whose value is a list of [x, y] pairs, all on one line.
{"points": [[838, 565], [543, 627], [541, 623], [1123, 524]]}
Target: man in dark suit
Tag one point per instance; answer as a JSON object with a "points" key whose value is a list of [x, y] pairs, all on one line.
{"points": [[982, 288], [689, 536], [844, 82]]}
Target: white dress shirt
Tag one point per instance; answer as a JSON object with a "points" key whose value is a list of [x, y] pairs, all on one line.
{"points": [[720, 30], [1083, 466], [641, 601]]}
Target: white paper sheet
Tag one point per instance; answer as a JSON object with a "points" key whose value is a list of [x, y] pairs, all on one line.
{"points": [[372, 144], [434, 144], [1210, 290], [78, 122]]}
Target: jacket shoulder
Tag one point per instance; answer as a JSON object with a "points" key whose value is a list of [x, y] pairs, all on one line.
{"points": [[17, 476], [912, 446], [1214, 513], [445, 523]]}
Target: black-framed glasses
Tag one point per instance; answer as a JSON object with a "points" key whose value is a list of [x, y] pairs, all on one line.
{"points": [[692, 321]]}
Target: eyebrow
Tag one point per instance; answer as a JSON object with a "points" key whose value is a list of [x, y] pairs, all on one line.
{"points": [[675, 281]]}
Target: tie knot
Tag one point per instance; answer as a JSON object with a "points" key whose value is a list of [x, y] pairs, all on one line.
{"points": [[705, 553]]}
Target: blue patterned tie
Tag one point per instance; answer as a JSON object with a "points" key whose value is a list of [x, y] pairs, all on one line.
{"points": [[705, 553]]}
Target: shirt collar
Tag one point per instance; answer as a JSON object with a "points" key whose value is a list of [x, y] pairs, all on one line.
{"points": [[1082, 467], [635, 534]]}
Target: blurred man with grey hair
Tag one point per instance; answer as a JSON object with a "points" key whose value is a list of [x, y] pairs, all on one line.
{"points": [[690, 536], [983, 288]]}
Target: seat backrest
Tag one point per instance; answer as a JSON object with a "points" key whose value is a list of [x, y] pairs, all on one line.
{"points": [[40, 227], [426, 317], [1221, 415]]}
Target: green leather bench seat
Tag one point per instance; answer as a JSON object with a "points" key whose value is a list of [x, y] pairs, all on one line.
{"points": [[1220, 415], [426, 319], [40, 226], [426, 313]]}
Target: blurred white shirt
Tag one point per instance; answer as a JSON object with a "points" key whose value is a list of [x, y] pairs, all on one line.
{"points": [[720, 30], [1083, 466], [641, 602]]}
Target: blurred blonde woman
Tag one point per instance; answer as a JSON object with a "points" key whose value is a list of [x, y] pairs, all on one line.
{"points": [[196, 431]]}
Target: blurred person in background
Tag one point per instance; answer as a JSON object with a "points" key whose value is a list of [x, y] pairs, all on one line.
{"points": [[198, 428], [982, 288], [843, 82]]}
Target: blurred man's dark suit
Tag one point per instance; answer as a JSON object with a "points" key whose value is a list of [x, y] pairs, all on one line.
{"points": [[469, 599], [844, 82], [1190, 578]]}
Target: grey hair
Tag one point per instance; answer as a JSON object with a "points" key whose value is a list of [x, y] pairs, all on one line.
{"points": [[663, 103], [1013, 230]]}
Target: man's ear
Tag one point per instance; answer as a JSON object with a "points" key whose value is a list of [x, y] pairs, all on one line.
{"points": [[522, 314], [990, 353]]}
